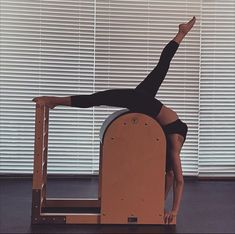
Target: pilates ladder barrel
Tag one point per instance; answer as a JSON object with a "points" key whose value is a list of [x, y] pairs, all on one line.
{"points": [[131, 175]]}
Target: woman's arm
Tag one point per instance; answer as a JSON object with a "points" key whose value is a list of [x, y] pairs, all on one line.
{"points": [[178, 183], [178, 186], [169, 179]]}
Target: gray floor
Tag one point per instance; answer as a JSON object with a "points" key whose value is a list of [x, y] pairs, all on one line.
{"points": [[207, 207]]}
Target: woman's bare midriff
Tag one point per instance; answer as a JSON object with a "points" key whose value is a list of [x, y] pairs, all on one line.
{"points": [[166, 116]]}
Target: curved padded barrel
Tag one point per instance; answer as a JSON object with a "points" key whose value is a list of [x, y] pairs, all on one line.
{"points": [[109, 120], [132, 170]]}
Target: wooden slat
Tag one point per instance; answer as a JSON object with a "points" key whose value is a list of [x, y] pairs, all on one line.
{"points": [[43, 195], [44, 176], [38, 147], [69, 218], [49, 219], [83, 219], [45, 143], [67, 202]]}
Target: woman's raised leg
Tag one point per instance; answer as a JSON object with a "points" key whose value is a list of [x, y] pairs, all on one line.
{"points": [[153, 81]]}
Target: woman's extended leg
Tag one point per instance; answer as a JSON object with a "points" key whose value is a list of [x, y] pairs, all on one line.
{"points": [[153, 81], [126, 98]]}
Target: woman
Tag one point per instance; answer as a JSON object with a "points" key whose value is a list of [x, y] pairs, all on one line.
{"points": [[142, 99]]}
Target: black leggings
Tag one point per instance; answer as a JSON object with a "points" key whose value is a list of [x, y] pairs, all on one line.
{"points": [[142, 98]]}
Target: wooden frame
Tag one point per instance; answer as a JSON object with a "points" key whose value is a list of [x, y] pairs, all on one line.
{"points": [[100, 211], [41, 206]]}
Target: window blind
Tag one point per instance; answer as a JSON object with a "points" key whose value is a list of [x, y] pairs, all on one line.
{"points": [[78, 47], [68, 47], [217, 89]]}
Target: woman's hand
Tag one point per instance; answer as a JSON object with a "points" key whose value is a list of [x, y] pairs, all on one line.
{"points": [[45, 100], [169, 216]]}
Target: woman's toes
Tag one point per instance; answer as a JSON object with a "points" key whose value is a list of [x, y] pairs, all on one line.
{"points": [[185, 28]]}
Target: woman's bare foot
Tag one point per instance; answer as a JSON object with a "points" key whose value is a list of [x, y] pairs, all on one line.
{"points": [[185, 28], [46, 100]]}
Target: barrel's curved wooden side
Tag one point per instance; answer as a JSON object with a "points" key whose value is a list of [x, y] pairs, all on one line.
{"points": [[133, 170]]}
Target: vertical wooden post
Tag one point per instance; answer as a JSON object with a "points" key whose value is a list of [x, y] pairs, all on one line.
{"points": [[45, 151], [40, 160]]}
